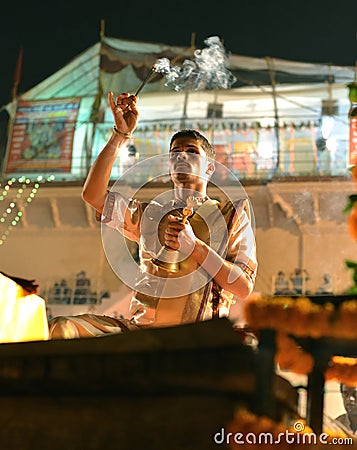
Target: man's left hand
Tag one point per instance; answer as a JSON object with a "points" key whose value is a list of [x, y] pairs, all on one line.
{"points": [[180, 236]]}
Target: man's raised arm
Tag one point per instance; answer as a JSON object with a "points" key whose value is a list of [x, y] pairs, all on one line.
{"points": [[125, 119]]}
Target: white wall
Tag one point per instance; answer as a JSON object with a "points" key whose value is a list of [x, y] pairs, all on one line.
{"points": [[58, 235]]}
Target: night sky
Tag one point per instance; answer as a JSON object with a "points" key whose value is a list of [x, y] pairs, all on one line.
{"points": [[52, 34]]}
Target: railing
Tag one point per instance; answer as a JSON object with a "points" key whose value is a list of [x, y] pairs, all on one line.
{"points": [[247, 150]]}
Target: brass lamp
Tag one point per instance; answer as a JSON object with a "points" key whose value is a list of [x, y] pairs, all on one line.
{"points": [[167, 258]]}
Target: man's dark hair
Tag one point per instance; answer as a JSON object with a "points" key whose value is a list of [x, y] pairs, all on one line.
{"points": [[342, 385], [205, 144]]}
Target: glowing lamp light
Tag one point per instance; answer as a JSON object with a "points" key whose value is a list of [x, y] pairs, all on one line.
{"points": [[327, 126], [266, 144], [331, 144], [265, 150], [22, 317]]}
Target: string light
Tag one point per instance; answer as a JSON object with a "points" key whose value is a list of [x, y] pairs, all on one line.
{"points": [[9, 214]]}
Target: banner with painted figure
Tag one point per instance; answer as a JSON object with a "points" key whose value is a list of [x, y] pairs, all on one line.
{"points": [[245, 156], [42, 136]]}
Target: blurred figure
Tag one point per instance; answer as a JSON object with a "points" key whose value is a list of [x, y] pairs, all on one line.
{"points": [[299, 279], [349, 397], [326, 286], [281, 285]]}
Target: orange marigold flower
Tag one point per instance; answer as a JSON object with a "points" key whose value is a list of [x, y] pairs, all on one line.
{"points": [[352, 222]]}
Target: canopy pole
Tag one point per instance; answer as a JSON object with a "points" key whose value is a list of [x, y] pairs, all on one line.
{"points": [[102, 28], [270, 64], [95, 115]]}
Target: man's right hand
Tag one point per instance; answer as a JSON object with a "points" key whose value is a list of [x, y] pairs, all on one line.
{"points": [[124, 112]]}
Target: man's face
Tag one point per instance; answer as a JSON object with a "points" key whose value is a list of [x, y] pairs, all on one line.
{"points": [[189, 162], [349, 396]]}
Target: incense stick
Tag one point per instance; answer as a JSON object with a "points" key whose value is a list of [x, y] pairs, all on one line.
{"points": [[145, 80]]}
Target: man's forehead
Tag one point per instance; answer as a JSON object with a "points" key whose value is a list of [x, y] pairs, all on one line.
{"points": [[186, 142], [349, 389]]}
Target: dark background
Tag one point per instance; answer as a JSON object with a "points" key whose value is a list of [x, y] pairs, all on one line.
{"points": [[53, 33]]}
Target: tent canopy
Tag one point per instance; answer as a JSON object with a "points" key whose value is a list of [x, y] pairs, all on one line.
{"points": [[120, 65], [268, 93]]}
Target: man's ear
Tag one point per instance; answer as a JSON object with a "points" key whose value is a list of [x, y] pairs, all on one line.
{"points": [[210, 169]]}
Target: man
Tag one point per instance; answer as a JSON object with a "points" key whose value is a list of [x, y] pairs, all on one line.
{"points": [[349, 397], [299, 278], [215, 248], [281, 284]]}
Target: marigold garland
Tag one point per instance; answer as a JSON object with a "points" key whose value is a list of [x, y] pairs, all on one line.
{"points": [[303, 318], [290, 357], [343, 370], [352, 222]]}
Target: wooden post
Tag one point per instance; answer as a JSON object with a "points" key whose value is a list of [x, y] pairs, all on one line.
{"points": [[271, 69]]}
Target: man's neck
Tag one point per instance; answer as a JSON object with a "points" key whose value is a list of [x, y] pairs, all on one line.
{"points": [[181, 194], [353, 421]]}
